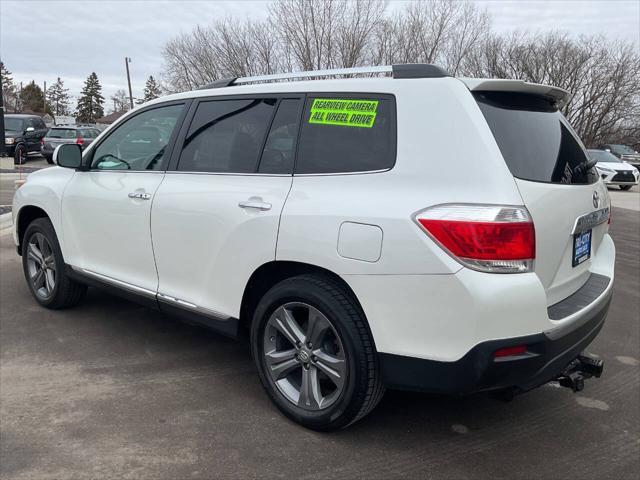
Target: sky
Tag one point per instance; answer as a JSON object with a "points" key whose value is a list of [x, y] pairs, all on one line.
{"points": [[43, 39]]}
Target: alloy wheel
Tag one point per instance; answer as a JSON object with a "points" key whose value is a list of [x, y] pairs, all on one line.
{"points": [[41, 265], [304, 356]]}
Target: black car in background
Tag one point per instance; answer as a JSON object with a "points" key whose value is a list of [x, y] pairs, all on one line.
{"points": [[80, 134], [22, 135], [623, 152]]}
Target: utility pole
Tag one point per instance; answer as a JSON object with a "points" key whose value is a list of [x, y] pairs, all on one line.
{"points": [[2, 145], [127, 60]]}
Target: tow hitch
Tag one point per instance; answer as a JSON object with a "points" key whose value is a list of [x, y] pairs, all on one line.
{"points": [[582, 367]]}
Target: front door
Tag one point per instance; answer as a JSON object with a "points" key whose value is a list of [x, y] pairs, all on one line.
{"points": [[107, 209]]}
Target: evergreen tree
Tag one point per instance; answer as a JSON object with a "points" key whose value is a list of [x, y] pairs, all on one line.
{"points": [[90, 102], [58, 98], [32, 98], [152, 89], [9, 91]]}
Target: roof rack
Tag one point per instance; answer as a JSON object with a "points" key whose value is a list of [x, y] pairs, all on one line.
{"points": [[409, 70]]}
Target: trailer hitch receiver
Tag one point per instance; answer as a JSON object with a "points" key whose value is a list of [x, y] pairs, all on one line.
{"points": [[582, 367]]}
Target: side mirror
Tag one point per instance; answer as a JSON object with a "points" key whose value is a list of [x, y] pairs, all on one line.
{"points": [[30, 129], [68, 155]]}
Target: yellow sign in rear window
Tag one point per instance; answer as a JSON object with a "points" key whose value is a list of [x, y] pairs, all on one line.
{"points": [[344, 112]]}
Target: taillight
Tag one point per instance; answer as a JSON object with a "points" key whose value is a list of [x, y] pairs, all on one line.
{"points": [[488, 238], [42, 142], [79, 140], [510, 351]]}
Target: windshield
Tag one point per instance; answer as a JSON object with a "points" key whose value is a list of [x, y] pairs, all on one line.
{"points": [[536, 141], [602, 156], [15, 124], [623, 150], [61, 133]]}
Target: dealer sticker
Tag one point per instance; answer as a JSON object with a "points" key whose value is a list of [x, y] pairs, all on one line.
{"points": [[344, 112]]}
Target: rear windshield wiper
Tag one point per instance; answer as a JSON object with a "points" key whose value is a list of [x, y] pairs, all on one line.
{"points": [[584, 166]]}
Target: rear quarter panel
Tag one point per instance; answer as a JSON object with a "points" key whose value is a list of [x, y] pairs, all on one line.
{"points": [[446, 153]]}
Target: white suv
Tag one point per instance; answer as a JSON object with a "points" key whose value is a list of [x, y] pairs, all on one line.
{"points": [[411, 231]]}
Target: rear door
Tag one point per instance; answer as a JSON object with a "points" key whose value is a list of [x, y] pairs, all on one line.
{"points": [[568, 203], [215, 217]]}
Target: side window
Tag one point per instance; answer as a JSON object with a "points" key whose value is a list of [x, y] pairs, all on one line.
{"points": [[86, 133], [40, 125], [226, 136], [342, 134], [279, 149], [140, 142]]}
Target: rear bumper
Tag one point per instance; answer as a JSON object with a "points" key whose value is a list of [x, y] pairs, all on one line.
{"points": [[548, 353]]}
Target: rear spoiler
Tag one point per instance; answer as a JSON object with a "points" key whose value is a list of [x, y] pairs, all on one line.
{"points": [[560, 96]]}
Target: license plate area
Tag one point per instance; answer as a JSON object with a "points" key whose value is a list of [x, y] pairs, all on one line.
{"points": [[581, 247]]}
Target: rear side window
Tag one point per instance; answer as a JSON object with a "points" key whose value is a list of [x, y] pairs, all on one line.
{"points": [[342, 133], [68, 133], [536, 141], [226, 136], [86, 133]]}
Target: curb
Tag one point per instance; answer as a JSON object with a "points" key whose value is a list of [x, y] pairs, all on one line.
{"points": [[6, 223]]}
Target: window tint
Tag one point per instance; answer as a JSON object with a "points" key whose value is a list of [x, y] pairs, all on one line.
{"points": [[279, 149], [344, 134], [62, 133], [139, 143], [86, 133], [535, 139], [602, 156], [226, 136], [14, 124]]}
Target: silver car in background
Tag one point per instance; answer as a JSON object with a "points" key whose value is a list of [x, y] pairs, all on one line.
{"points": [[80, 134]]}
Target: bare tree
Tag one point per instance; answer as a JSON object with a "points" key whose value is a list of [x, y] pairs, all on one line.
{"points": [[317, 34]]}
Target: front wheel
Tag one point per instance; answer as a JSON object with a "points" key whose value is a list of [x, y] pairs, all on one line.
{"points": [[625, 187], [44, 268], [20, 155], [314, 352]]}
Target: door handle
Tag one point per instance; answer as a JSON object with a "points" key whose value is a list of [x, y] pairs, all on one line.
{"points": [[255, 203], [140, 195]]}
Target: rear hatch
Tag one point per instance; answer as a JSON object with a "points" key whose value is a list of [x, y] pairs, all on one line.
{"points": [[58, 136], [568, 203]]}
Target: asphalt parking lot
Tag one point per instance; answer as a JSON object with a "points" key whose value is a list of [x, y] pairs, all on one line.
{"points": [[111, 389]]}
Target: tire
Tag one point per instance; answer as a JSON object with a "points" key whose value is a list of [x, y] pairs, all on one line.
{"points": [[20, 155], [625, 187], [345, 344], [48, 281], [49, 159]]}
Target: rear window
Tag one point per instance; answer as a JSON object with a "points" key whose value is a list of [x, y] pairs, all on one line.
{"points": [[87, 133], [536, 141], [62, 133], [602, 156], [345, 133]]}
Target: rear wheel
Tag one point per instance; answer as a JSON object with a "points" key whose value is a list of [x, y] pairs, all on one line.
{"points": [[20, 155], [314, 353], [625, 187], [44, 268]]}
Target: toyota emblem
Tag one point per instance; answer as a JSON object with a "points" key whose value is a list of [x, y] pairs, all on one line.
{"points": [[596, 199]]}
